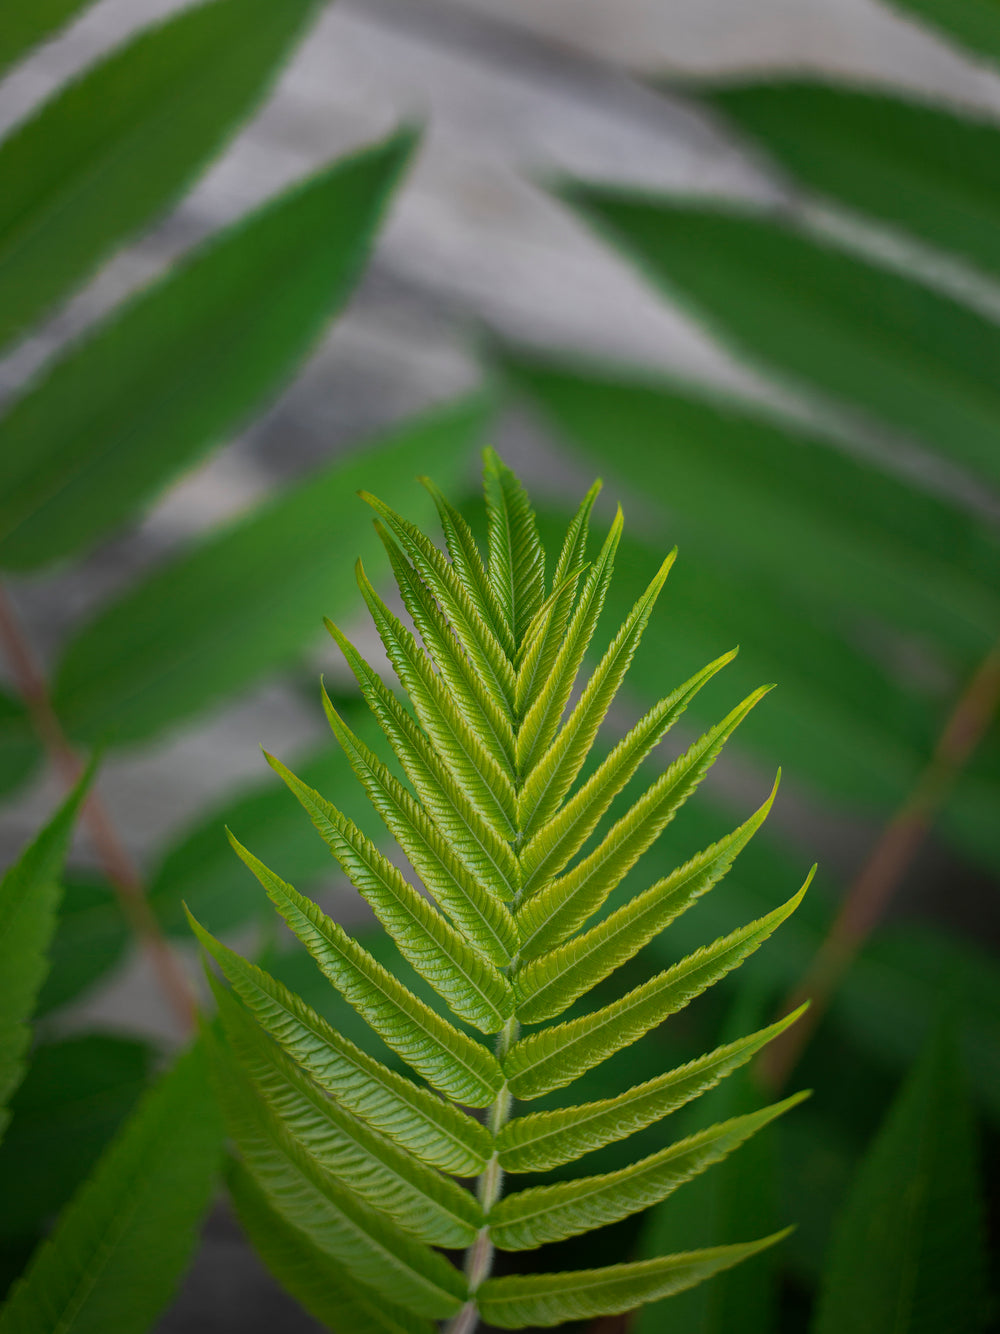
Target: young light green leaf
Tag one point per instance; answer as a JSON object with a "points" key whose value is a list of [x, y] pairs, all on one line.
{"points": [[907, 1252], [475, 840], [316, 1281], [544, 636], [473, 987], [26, 25], [541, 1214], [518, 1300], [457, 1065], [565, 904], [554, 1057], [926, 365], [516, 568], [554, 774], [484, 920], [467, 621], [184, 362], [432, 1130], [551, 982], [374, 1250], [542, 718], [926, 170], [247, 598], [419, 1199], [29, 901], [543, 1140], [120, 1247], [468, 561], [473, 767], [485, 715], [113, 149]]}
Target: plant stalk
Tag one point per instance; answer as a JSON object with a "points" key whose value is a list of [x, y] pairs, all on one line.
{"points": [[869, 896], [489, 1187], [118, 866]]}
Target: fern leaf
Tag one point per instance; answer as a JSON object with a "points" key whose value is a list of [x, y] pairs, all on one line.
{"points": [[323, 1287], [516, 566], [510, 857], [552, 982], [554, 614], [554, 1057], [565, 904], [543, 1140], [434, 1131], [563, 835], [541, 1214], [486, 923], [419, 1199], [485, 716], [468, 562], [518, 1300], [453, 1063], [487, 856], [373, 1249], [473, 987], [467, 621], [484, 780], [542, 718]]}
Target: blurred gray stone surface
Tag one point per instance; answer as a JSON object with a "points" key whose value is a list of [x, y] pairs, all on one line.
{"points": [[511, 92]]}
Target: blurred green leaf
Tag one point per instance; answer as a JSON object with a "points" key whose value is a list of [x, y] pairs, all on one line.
{"points": [[201, 869], [186, 361], [728, 1204], [119, 1248], [747, 490], [71, 1102], [251, 596], [919, 167], [24, 26], [869, 337], [907, 1249], [92, 936], [975, 23], [20, 751], [112, 149], [29, 900]]}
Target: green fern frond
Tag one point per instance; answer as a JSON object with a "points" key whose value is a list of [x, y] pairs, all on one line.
{"points": [[361, 1167]]}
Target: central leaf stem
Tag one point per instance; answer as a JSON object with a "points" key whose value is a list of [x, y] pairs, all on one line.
{"points": [[489, 1186]]}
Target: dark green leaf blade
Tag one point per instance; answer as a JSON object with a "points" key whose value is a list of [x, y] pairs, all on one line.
{"points": [[246, 599], [20, 751], [919, 167], [24, 26], [313, 1278], [918, 360], [114, 148], [975, 23], [29, 900], [92, 936], [120, 1247], [549, 1299], [185, 362], [742, 489], [907, 1251], [74, 1096]]}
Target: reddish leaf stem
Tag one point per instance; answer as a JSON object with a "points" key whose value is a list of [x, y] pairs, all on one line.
{"points": [[118, 866], [871, 892]]}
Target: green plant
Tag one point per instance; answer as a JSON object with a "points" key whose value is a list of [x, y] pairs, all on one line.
{"points": [[355, 1159]]}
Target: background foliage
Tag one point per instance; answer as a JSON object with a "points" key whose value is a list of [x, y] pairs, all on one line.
{"points": [[847, 541]]}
